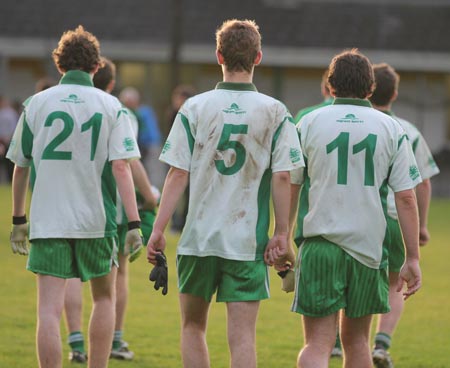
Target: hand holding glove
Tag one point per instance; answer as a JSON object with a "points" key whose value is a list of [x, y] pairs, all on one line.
{"points": [[133, 241], [19, 235], [159, 273]]}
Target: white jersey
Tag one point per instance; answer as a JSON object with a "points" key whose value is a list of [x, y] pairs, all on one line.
{"points": [[425, 162], [353, 153], [231, 140], [121, 217], [68, 134]]}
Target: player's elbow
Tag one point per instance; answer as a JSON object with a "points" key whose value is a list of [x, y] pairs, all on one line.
{"points": [[119, 167], [282, 177], [406, 199]]}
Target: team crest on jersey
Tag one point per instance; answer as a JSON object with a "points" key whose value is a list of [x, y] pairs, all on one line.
{"points": [[350, 118], [72, 98], [234, 109], [128, 144], [166, 147], [294, 154], [414, 172]]}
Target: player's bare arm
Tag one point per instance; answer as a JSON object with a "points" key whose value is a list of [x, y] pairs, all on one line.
{"points": [[423, 193], [279, 252], [410, 273], [174, 186], [142, 183]]}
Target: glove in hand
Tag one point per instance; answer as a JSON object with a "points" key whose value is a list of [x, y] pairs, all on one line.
{"points": [[288, 280], [133, 244], [159, 273], [18, 238]]}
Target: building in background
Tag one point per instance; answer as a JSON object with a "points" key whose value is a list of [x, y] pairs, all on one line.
{"points": [[300, 38]]}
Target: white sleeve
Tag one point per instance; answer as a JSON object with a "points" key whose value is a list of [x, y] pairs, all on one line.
{"points": [[122, 141]]}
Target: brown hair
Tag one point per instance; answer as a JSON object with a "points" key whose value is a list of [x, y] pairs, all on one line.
{"points": [[77, 50], [351, 75], [239, 42], [105, 74], [387, 84]]}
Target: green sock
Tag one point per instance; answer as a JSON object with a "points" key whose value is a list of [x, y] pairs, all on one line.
{"points": [[76, 341], [382, 341], [117, 342]]}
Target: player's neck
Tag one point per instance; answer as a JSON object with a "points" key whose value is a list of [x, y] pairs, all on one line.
{"points": [[237, 77]]}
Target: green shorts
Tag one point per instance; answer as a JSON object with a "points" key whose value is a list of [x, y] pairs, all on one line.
{"points": [[69, 258], [329, 279], [234, 281], [147, 220], [396, 246]]}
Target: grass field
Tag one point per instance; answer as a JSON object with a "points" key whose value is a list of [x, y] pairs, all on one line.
{"points": [[152, 326]]}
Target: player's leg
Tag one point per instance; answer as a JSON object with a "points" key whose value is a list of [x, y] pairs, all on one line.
{"points": [[119, 347], [319, 295], [101, 324], [194, 318], [97, 262], [242, 284], [197, 280], [319, 336], [388, 322], [50, 306], [355, 341], [241, 327], [73, 307]]}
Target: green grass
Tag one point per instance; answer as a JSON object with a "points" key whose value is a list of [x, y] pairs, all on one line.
{"points": [[152, 325]]}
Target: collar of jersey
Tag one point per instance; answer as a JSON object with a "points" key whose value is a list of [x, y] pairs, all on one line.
{"points": [[351, 101], [77, 77], [237, 86], [388, 112]]}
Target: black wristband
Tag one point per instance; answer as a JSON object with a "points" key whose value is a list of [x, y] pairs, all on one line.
{"points": [[134, 225], [19, 220]]}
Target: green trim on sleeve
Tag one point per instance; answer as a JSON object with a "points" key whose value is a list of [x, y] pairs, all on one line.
{"points": [[414, 144], [402, 138], [278, 132], [190, 137], [27, 140]]}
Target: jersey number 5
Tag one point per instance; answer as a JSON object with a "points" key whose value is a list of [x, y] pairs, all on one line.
{"points": [[341, 143], [50, 152], [225, 143]]}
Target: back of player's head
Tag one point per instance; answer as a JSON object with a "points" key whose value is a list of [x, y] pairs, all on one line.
{"points": [[351, 75], [239, 42], [130, 97], [105, 75], [387, 81], [77, 50]]}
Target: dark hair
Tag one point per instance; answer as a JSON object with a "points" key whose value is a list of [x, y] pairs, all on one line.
{"points": [[387, 81], [105, 74], [351, 75], [239, 41], [77, 50]]}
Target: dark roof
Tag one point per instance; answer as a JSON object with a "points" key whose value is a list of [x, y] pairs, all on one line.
{"points": [[396, 25]]}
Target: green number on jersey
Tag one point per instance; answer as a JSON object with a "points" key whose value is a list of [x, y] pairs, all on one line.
{"points": [[50, 152], [225, 143], [341, 143], [95, 123]]}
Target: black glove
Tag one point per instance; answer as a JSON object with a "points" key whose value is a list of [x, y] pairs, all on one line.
{"points": [[159, 273]]}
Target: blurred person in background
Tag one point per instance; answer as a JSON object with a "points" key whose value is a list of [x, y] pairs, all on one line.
{"points": [[8, 122]]}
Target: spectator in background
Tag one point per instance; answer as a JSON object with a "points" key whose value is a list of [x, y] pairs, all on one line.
{"points": [[8, 122], [179, 95]]}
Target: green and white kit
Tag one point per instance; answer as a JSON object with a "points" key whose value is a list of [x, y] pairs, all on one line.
{"points": [[352, 153], [68, 134], [425, 162], [231, 140]]}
